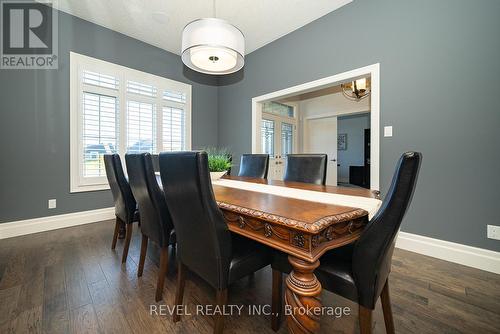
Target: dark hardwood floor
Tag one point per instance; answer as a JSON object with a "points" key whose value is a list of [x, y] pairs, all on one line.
{"points": [[70, 281]]}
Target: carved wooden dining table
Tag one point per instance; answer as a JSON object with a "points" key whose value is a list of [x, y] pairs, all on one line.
{"points": [[303, 229]]}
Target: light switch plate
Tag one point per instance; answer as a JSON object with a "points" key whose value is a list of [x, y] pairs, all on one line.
{"points": [[387, 131], [52, 203], [493, 232]]}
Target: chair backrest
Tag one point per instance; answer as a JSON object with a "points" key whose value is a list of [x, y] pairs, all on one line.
{"points": [[124, 201], [254, 165], [156, 163], [307, 168], [373, 251], [203, 239], [156, 223]]}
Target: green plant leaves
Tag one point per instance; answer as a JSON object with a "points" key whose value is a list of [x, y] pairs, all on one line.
{"points": [[219, 160]]}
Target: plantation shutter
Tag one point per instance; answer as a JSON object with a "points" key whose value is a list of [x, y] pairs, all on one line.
{"points": [[99, 123], [173, 129], [141, 118]]}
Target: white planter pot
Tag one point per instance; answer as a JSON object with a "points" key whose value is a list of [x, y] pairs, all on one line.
{"points": [[217, 175]]}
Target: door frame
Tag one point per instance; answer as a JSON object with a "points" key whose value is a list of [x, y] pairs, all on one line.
{"points": [[372, 70]]}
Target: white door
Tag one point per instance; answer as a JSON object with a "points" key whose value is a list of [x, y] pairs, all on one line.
{"points": [[321, 137], [287, 145], [278, 140], [270, 146]]}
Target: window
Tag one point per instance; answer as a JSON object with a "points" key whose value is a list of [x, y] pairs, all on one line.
{"points": [[278, 109], [267, 131], [286, 139], [115, 109]]}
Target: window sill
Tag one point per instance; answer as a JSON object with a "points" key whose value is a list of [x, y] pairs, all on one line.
{"points": [[82, 188]]}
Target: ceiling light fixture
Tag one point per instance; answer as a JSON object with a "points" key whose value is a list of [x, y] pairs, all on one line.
{"points": [[213, 46], [356, 90]]}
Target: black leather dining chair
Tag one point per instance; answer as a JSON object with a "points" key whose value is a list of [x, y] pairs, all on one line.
{"points": [[156, 163], [156, 224], [254, 165], [307, 168], [125, 206], [360, 271], [205, 246]]}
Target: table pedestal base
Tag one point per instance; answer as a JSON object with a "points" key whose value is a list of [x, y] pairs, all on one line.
{"points": [[301, 297]]}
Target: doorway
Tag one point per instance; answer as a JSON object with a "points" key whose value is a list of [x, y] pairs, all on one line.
{"points": [[320, 136], [323, 121], [320, 139], [354, 150], [339, 133]]}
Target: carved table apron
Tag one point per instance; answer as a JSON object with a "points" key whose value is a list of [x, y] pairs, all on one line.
{"points": [[304, 230]]}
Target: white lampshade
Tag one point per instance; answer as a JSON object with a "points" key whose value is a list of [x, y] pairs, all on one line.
{"points": [[213, 46]]}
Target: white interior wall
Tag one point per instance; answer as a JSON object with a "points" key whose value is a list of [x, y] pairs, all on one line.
{"points": [[326, 106]]}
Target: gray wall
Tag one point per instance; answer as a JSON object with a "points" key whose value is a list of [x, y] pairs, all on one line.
{"points": [[354, 126], [440, 72], [34, 123]]}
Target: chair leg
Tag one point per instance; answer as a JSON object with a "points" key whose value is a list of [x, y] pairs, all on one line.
{"points": [[179, 293], [162, 273], [115, 234], [365, 320], [386, 307], [142, 258], [277, 300], [221, 300], [128, 236]]}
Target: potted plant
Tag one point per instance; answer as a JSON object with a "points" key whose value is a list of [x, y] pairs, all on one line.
{"points": [[219, 162]]}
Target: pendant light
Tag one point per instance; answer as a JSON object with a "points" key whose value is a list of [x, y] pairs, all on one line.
{"points": [[357, 89], [213, 46]]}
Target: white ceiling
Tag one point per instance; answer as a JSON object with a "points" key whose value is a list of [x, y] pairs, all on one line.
{"points": [[160, 22]]}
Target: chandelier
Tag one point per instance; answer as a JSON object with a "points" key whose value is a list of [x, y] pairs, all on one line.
{"points": [[213, 46], [357, 89]]}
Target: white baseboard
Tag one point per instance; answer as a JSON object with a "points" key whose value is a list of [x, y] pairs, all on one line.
{"points": [[449, 251], [28, 226]]}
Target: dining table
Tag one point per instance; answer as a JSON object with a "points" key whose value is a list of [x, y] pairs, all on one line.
{"points": [[299, 219]]}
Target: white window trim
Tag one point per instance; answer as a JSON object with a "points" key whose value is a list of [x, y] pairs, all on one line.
{"points": [[77, 62]]}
